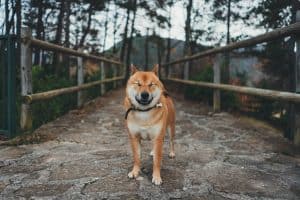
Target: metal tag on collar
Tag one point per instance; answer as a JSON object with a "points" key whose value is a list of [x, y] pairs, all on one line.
{"points": [[159, 105]]}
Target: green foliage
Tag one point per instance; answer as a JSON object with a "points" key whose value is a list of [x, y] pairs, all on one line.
{"points": [[96, 91], [51, 109], [268, 108], [93, 92], [202, 94], [274, 13], [229, 100]]}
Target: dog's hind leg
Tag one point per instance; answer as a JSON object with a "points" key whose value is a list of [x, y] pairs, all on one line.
{"points": [[171, 131]]}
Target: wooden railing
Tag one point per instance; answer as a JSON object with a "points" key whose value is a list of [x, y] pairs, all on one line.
{"points": [[27, 43], [292, 30]]}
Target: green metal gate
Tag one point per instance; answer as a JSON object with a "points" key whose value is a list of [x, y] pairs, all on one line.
{"points": [[8, 59]]}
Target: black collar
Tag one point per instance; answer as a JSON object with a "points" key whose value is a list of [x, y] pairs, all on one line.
{"points": [[141, 110], [165, 93]]}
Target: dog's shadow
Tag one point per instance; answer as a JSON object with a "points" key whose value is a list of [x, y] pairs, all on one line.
{"points": [[172, 176]]}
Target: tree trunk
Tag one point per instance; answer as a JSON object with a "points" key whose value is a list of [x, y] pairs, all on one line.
{"points": [[87, 30], [105, 30], [19, 24], [6, 17], [168, 55], [187, 45], [122, 54], [19, 16], [130, 41], [159, 52], [227, 54], [146, 50], [187, 28], [66, 59], [39, 31], [115, 31], [60, 19], [10, 25], [58, 35], [228, 20], [67, 27]]}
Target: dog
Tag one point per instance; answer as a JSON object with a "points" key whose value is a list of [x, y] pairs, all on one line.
{"points": [[150, 113]]}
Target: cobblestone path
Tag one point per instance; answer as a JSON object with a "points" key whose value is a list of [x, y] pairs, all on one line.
{"points": [[86, 155]]}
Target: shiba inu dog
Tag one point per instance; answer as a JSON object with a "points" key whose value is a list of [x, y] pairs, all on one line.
{"points": [[150, 112]]}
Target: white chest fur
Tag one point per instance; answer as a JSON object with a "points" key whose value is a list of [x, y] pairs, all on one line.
{"points": [[140, 126]]}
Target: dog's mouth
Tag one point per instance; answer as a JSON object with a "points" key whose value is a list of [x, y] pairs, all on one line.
{"points": [[144, 102]]}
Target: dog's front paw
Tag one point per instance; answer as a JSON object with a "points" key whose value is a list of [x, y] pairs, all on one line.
{"points": [[133, 174], [171, 155], [151, 153], [156, 180]]}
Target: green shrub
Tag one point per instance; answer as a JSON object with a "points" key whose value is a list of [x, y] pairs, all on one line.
{"points": [[229, 100], [46, 111], [197, 93]]}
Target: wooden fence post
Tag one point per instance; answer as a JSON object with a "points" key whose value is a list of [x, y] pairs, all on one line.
{"points": [[102, 78], [217, 79], [169, 67], [186, 71], [166, 71], [115, 73], [296, 119], [80, 79], [26, 78]]}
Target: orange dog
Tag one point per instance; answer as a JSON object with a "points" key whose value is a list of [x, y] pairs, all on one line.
{"points": [[150, 112]]}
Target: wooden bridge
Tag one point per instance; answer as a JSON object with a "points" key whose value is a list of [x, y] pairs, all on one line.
{"points": [[85, 153]]}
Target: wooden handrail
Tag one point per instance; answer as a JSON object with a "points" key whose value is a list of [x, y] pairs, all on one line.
{"points": [[54, 47], [277, 33], [27, 44], [28, 99], [269, 94]]}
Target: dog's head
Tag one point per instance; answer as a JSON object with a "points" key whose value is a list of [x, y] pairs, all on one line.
{"points": [[144, 88]]}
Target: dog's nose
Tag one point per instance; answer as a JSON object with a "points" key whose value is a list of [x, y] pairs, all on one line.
{"points": [[145, 95]]}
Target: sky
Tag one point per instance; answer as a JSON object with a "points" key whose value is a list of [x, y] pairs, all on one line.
{"points": [[178, 15]]}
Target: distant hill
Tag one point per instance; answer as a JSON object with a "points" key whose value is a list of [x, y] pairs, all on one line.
{"points": [[138, 50]]}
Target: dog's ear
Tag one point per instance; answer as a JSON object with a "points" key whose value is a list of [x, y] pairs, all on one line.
{"points": [[155, 69], [133, 69]]}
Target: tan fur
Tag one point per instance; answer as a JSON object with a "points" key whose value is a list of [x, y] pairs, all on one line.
{"points": [[152, 124]]}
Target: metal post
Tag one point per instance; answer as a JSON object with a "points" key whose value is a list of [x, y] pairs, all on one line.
{"points": [[217, 79], [26, 78], [11, 81], [102, 78], [80, 79], [296, 119]]}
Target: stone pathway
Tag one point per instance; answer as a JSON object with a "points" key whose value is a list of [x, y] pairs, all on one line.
{"points": [[86, 155]]}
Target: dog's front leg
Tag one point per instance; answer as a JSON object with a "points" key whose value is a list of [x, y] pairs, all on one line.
{"points": [[157, 157], [136, 150]]}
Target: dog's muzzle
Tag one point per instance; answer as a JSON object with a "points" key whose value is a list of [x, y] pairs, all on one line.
{"points": [[145, 99]]}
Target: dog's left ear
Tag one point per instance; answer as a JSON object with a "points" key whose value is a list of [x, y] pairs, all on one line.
{"points": [[155, 69]]}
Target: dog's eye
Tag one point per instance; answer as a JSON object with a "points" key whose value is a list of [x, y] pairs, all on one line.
{"points": [[151, 84], [137, 83]]}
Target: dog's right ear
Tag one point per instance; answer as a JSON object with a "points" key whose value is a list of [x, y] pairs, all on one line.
{"points": [[133, 69]]}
